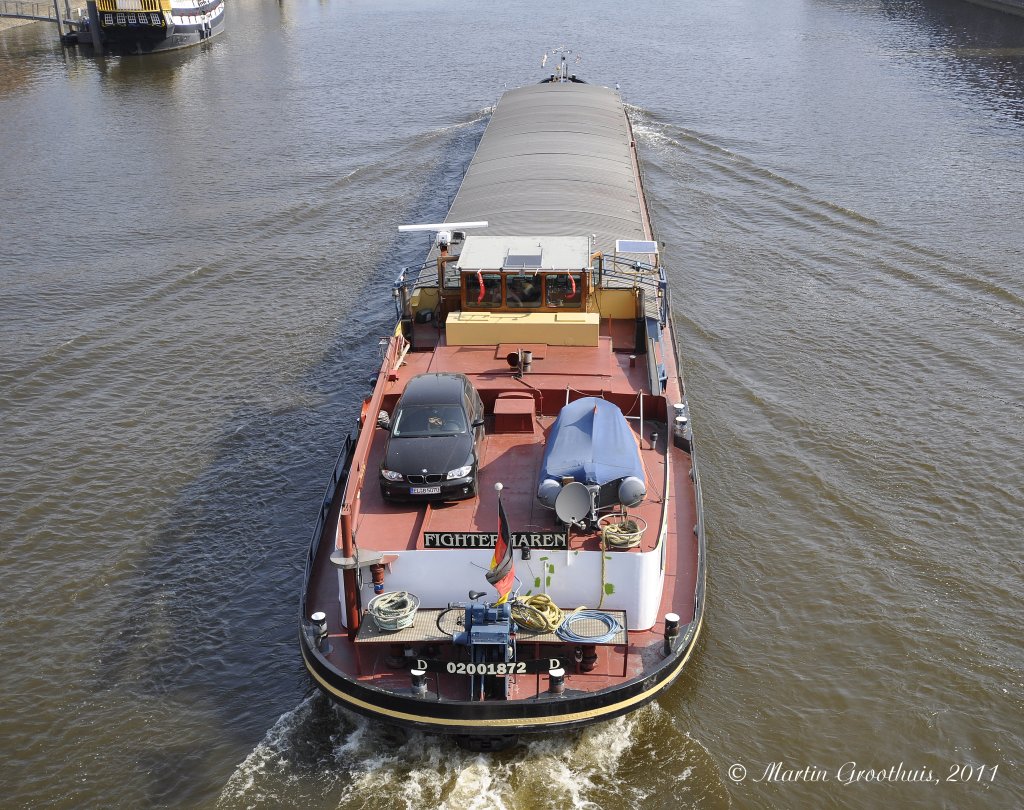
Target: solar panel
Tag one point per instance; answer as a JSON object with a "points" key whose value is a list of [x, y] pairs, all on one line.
{"points": [[519, 261], [635, 246]]}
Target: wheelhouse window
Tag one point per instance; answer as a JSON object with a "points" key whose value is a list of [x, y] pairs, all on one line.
{"points": [[483, 290], [563, 290], [543, 291], [523, 291]]}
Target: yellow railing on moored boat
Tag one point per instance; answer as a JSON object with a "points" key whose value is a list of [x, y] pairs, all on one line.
{"points": [[133, 5]]}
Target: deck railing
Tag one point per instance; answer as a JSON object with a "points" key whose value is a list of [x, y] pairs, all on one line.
{"points": [[34, 10], [338, 477], [110, 6], [641, 275]]}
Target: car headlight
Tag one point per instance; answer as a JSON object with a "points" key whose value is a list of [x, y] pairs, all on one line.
{"points": [[461, 472], [391, 475]]}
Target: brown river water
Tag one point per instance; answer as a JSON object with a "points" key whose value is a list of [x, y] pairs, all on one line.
{"points": [[197, 251]]}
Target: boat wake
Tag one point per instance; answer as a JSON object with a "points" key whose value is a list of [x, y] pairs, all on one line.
{"points": [[829, 256], [752, 197], [319, 755]]}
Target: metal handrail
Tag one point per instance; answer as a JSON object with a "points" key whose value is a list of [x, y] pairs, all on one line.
{"points": [[403, 279], [643, 276], [111, 6], [642, 270], [33, 10], [338, 476], [409, 277]]}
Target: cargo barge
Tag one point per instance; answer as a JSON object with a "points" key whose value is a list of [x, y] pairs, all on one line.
{"points": [[512, 542]]}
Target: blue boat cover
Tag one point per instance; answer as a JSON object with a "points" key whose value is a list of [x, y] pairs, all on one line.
{"points": [[592, 442]]}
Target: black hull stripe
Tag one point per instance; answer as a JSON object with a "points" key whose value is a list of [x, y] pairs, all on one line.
{"points": [[498, 717], [155, 35]]}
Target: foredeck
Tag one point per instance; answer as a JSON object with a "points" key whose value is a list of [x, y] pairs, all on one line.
{"points": [[514, 459]]}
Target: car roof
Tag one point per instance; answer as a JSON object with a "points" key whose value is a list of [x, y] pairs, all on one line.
{"points": [[439, 388]]}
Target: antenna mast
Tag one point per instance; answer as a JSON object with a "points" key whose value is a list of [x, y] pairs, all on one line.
{"points": [[561, 73]]}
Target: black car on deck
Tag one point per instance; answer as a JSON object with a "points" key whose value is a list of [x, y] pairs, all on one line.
{"points": [[431, 454]]}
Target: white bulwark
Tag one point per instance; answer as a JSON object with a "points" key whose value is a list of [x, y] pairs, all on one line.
{"points": [[631, 582]]}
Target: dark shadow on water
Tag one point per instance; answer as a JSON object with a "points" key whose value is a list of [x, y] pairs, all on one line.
{"points": [[206, 643], [982, 46]]}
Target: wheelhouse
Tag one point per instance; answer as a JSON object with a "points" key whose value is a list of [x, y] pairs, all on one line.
{"points": [[499, 274]]}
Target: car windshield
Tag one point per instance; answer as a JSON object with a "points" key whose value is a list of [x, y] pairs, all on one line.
{"points": [[429, 420]]}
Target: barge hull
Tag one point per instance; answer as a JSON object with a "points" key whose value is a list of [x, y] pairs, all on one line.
{"points": [[557, 162]]}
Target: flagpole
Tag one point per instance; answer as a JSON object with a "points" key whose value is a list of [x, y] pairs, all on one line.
{"points": [[502, 571]]}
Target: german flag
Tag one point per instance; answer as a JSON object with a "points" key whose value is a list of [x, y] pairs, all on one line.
{"points": [[503, 572]]}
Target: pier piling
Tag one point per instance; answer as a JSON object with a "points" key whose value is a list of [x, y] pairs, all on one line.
{"points": [[94, 26]]}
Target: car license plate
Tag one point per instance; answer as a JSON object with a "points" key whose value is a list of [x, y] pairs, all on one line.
{"points": [[424, 490]]}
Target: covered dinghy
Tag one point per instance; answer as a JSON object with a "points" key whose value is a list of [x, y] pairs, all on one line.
{"points": [[592, 443]]}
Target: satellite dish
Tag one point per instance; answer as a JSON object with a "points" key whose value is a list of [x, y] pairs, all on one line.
{"points": [[573, 503]]}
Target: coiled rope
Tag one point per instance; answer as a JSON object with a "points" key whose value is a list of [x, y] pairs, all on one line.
{"points": [[541, 614], [626, 534], [395, 610], [566, 633], [538, 613]]}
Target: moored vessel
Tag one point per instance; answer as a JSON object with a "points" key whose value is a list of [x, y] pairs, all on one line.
{"points": [[512, 542], [147, 26]]}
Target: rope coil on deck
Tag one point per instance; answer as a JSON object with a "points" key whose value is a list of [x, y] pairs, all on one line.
{"points": [[537, 612], [626, 534], [395, 610], [566, 633], [540, 613]]}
